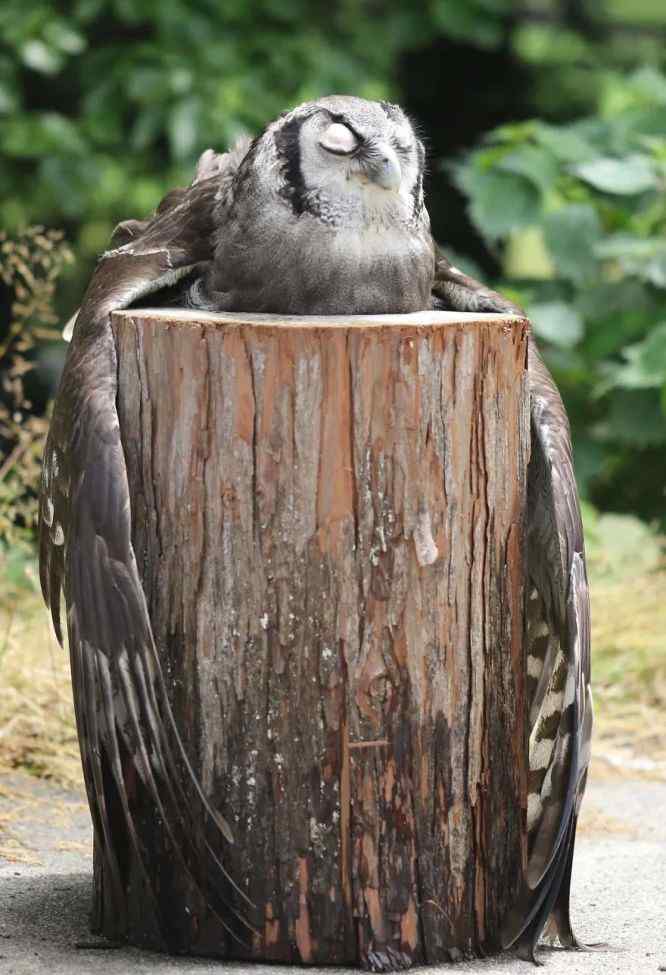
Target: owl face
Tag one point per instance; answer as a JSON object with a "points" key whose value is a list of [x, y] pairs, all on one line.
{"points": [[341, 155], [325, 216]]}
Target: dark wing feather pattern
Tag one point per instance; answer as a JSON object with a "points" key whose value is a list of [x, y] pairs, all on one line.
{"points": [[558, 664], [558, 643], [129, 743]]}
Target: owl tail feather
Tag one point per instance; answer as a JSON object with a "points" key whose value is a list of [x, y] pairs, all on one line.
{"points": [[549, 902], [561, 915]]}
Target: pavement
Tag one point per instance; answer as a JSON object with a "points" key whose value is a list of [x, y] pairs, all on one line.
{"points": [[619, 890]]}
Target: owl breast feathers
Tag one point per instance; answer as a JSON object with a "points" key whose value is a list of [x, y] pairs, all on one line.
{"points": [[323, 213]]}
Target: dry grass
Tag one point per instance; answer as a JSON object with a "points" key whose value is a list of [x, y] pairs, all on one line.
{"points": [[629, 672], [37, 730], [628, 584], [628, 596]]}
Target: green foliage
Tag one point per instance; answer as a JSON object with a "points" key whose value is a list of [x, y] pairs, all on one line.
{"points": [[105, 104], [30, 264], [578, 213], [104, 108]]}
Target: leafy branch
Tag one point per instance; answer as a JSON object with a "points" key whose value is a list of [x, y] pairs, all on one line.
{"points": [[577, 215]]}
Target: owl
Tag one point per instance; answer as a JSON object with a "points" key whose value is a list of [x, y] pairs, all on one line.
{"points": [[323, 213]]}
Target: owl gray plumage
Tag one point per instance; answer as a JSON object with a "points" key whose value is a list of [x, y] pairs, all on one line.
{"points": [[329, 202], [323, 213]]}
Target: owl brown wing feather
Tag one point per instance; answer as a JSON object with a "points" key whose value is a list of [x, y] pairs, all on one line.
{"points": [[136, 770], [558, 642], [558, 663], [456, 291]]}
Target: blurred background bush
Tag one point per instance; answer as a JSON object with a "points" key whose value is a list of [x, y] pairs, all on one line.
{"points": [[563, 202], [546, 122]]}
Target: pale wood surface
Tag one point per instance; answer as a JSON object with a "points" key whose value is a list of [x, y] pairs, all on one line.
{"points": [[182, 316], [328, 515]]}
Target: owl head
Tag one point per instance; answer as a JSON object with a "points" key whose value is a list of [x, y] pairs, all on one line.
{"points": [[338, 156], [325, 215]]}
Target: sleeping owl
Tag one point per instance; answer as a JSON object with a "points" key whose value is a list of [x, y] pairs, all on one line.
{"points": [[323, 213]]}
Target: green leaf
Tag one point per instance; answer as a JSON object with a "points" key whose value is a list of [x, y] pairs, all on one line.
{"points": [[526, 256], [649, 85], [565, 143], [535, 164], [571, 234], [515, 133], [543, 44], [635, 418], [603, 299], [609, 334], [644, 257], [645, 87], [37, 55], [624, 177], [475, 21], [40, 134], [645, 362], [64, 37], [499, 201], [556, 322]]}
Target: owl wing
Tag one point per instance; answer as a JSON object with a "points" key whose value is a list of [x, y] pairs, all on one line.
{"points": [[456, 291], [558, 643], [135, 766]]}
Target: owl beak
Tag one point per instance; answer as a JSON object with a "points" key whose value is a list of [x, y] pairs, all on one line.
{"points": [[383, 167]]}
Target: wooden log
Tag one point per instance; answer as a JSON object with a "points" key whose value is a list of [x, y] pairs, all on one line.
{"points": [[329, 518]]}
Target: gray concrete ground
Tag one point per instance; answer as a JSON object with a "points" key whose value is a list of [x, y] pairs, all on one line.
{"points": [[619, 890]]}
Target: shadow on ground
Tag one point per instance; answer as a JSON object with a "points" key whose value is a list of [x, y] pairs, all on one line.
{"points": [[619, 894]]}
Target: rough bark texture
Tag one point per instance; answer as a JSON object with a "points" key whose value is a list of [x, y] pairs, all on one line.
{"points": [[329, 520]]}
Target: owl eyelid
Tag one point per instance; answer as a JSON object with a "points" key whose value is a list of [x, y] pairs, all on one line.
{"points": [[340, 152], [343, 120], [336, 139]]}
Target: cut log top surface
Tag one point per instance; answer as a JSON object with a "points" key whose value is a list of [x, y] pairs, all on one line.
{"points": [[417, 320]]}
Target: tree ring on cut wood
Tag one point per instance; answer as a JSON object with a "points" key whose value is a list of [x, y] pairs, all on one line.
{"points": [[328, 517]]}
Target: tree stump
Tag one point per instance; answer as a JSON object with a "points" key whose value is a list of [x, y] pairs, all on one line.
{"points": [[329, 519]]}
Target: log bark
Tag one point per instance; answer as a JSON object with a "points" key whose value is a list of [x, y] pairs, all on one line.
{"points": [[329, 518]]}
